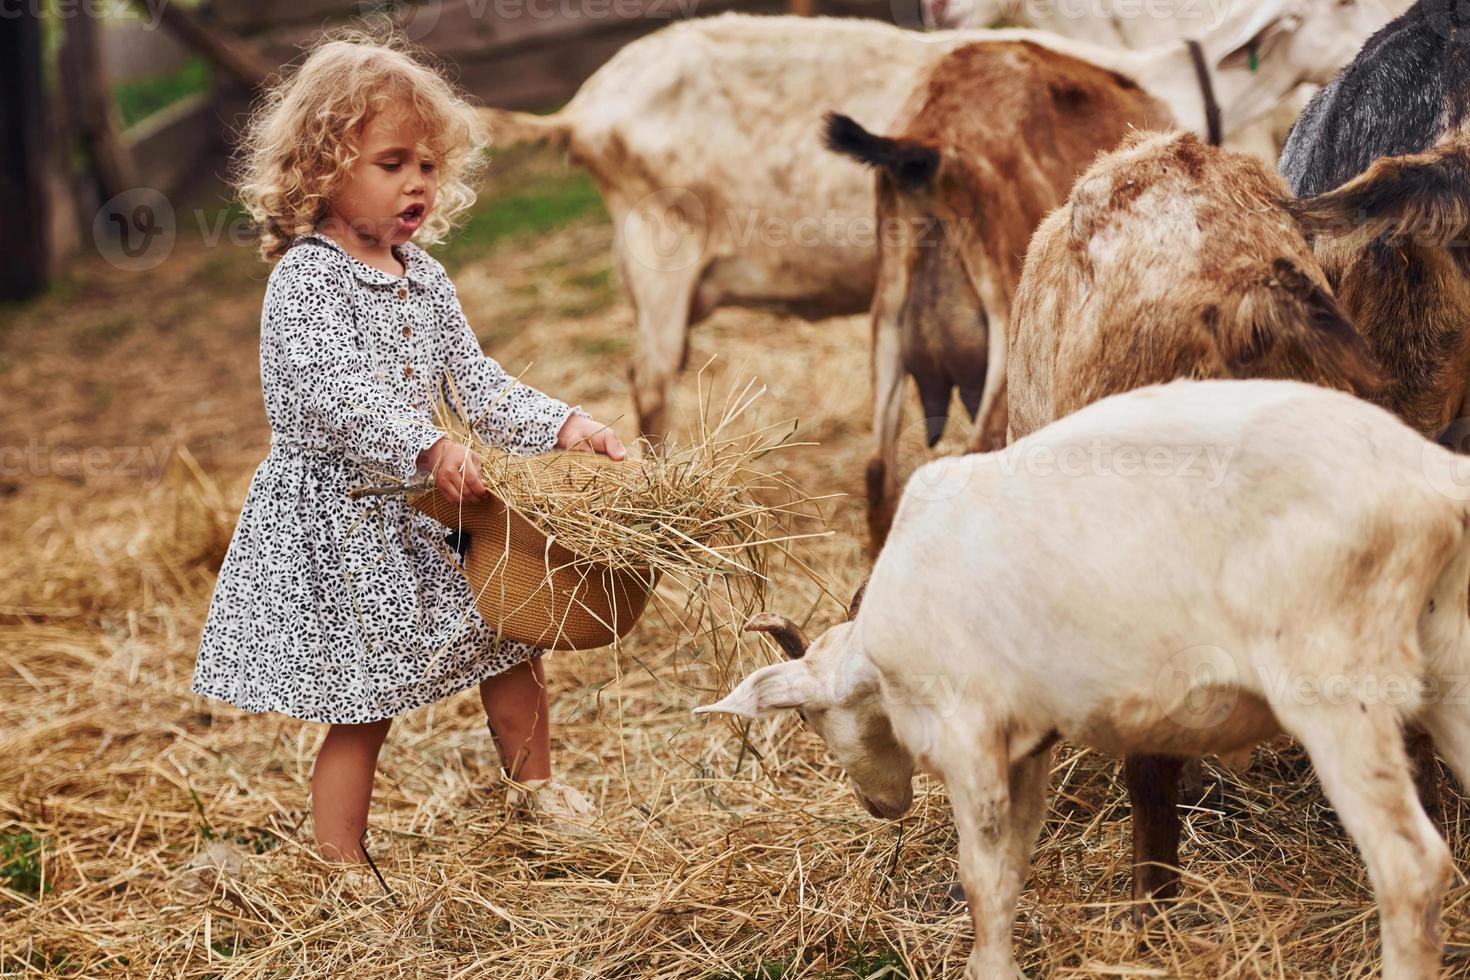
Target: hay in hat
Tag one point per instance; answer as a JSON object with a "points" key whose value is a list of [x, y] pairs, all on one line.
{"points": [[567, 551], [689, 510]]}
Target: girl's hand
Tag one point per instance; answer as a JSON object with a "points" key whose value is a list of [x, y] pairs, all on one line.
{"points": [[456, 471], [590, 436]]}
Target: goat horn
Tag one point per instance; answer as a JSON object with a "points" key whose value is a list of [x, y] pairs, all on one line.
{"points": [[857, 600], [787, 633]]}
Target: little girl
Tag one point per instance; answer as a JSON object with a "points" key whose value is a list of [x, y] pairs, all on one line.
{"points": [[346, 611]]}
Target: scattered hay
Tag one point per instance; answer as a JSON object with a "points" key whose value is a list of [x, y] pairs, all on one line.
{"points": [[147, 832]]}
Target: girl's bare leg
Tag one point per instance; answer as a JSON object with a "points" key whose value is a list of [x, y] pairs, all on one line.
{"points": [[342, 788], [518, 713]]}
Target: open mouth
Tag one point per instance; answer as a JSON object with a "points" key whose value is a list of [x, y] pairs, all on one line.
{"points": [[411, 215]]}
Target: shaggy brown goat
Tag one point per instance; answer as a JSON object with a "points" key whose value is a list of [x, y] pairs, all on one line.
{"points": [[990, 140]]}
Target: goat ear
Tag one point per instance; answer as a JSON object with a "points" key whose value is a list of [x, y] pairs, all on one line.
{"points": [[909, 164], [774, 688], [1291, 305], [1421, 196]]}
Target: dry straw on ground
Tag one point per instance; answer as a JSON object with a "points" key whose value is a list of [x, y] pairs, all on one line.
{"points": [[722, 851]]}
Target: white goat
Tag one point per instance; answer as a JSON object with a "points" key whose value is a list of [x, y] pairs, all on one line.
{"points": [[1184, 569], [705, 139]]}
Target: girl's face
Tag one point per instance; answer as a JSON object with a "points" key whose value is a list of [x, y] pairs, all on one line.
{"points": [[390, 188]]}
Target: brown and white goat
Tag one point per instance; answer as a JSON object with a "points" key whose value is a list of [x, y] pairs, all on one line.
{"points": [[990, 141], [1172, 259]]}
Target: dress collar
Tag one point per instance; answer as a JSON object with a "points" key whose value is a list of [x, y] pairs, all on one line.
{"points": [[415, 261]]}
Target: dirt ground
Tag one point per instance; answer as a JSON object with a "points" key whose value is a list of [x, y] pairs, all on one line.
{"points": [[133, 422]]}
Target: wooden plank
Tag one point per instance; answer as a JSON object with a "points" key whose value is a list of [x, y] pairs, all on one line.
{"points": [[530, 60], [546, 48], [252, 16], [455, 28], [132, 50], [238, 59], [166, 144], [547, 70]]}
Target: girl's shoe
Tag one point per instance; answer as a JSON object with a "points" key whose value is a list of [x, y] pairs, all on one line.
{"points": [[553, 805]]}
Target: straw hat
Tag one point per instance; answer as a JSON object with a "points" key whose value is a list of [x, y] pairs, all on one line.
{"points": [[528, 587]]}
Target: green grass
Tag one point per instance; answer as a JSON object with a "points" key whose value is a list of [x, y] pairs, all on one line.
{"points": [[100, 395], [598, 280], [62, 287], [20, 863], [542, 204], [887, 965], [587, 305], [108, 329], [137, 100], [226, 949], [600, 346]]}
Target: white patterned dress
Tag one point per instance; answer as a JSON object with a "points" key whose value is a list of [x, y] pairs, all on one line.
{"points": [[347, 611]]}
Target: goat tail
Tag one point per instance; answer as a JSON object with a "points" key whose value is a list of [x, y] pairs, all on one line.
{"points": [[508, 128], [1420, 197]]}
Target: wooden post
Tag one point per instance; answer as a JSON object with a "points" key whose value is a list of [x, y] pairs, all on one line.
{"points": [[25, 234], [89, 107], [231, 55]]}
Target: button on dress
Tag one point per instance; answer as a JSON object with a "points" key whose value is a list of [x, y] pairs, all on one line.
{"points": [[348, 611]]}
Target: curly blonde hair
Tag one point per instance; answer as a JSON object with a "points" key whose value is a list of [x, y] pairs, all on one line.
{"points": [[304, 134]]}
